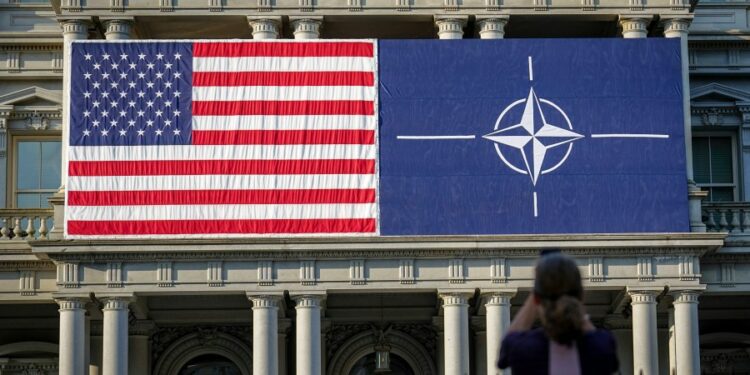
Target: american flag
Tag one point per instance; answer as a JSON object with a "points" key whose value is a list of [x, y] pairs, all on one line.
{"points": [[222, 139]]}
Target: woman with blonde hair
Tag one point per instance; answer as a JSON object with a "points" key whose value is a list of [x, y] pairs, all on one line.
{"points": [[566, 343]]}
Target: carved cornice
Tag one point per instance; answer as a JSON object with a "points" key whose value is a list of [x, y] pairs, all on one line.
{"points": [[719, 44], [339, 254], [31, 47], [39, 367], [25, 265], [718, 258]]}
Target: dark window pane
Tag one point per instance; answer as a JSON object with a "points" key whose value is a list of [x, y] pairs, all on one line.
{"points": [[50, 165], [721, 160], [721, 194], [43, 202], [27, 200], [701, 161], [28, 165]]}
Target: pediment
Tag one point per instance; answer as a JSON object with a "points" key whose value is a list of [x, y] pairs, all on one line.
{"points": [[716, 93], [32, 97]]}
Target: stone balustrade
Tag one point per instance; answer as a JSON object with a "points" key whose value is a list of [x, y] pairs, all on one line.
{"points": [[25, 223], [733, 217]]}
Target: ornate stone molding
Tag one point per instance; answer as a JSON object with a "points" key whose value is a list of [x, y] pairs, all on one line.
{"points": [[450, 27], [116, 29], [172, 347], [635, 26], [685, 296], [265, 27], [357, 272], [215, 273], [264, 301], [676, 27], [641, 296], [68, 275], [307, 301], [406, 271], [114, 275], [492, 28], [71, 304], [306, 27], [25, 367], [19, 265], [455, 298], [412, 345], [498, 298], [75, 26], [116, 303], [337, 254]]}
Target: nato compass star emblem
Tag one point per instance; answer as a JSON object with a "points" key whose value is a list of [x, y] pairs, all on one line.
{"points": [[532, 137]]}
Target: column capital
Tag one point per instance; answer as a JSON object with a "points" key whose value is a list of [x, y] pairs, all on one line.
{"points": [[686, 295], [306, 301], [116, 303], [492, 27], [71, 303], [451, 27], [497, 297], [455, 297], [117, 28], [306, 27], [635, 26], [76, 26], [264, 27], [675, 27], [265, 301], [643, 295]]}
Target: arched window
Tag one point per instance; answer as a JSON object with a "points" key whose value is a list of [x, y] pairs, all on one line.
{"points": [[210, 364]]}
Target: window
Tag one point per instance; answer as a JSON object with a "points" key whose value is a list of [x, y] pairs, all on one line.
{"points": [[714, 166], [36, 171]]}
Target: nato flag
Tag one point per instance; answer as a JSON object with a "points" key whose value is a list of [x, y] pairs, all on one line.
{"points": [[531, 136]]}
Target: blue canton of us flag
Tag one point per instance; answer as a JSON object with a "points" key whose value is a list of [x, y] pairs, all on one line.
{"points": [[125, 94]]}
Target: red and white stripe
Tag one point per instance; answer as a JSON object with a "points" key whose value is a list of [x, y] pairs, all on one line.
{"points": [[284, 142]]}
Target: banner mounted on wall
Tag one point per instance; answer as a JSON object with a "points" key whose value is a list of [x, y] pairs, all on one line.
{"points": [[337, 138]]}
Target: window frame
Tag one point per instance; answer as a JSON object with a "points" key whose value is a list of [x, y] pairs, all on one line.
{"points": [[12, 177], [735, 185]]}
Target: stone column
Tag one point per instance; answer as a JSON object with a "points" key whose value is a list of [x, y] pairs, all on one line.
{"points": [[744, 139], [265, 334], [678, 28], [686, 339], [634, 26], [283, 329], [478, 325], [437, 323], [72, 336], [115, 336], [265, 27], [308, 334], [450, 27], [492, 27], [117, 28], [645, 346], [498, 321], [306, 27], [456, 332], [87, 344], [139, 346]]}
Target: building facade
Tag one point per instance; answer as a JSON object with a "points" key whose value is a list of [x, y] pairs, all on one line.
{"points": [[677, 303]]}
